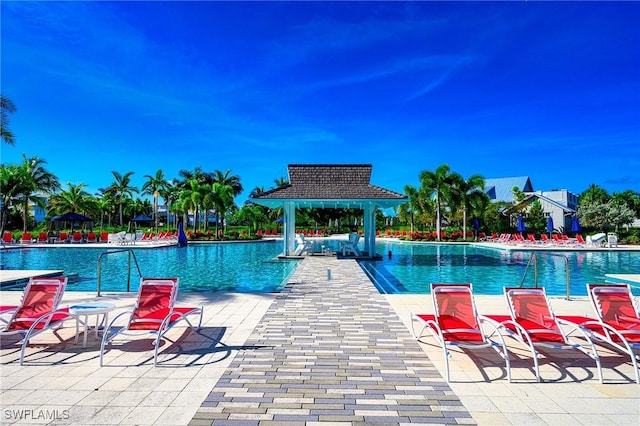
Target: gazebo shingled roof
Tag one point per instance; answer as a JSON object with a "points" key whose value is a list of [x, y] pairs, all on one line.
{"points": [[345, 184]]}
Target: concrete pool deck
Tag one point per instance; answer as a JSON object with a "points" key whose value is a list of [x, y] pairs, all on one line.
{"points": [[329, 349]]}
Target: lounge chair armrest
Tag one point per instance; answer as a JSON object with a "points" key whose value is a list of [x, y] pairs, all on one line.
{"points": [[43, 319], [113, 321], [576, 327]]}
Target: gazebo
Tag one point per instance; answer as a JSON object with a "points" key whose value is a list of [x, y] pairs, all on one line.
{"points": [[329, 186]]}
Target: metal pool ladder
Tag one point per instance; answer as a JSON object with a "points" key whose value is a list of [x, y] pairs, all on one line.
{"points": [[131, 254], [533, 259]]}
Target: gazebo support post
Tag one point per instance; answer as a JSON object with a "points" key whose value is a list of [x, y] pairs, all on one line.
{"points": [[370, 229], [289, 233]]}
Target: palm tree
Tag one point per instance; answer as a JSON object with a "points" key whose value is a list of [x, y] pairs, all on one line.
{"points": [[191, 199], [222, 200], [13, 181], [39, 181], [154, 187], [594, 194], [121, 189], [464, 193], [75, 199], [224, 179], [105, 204], [197, 174], [6, 107], [415, 203], [439, 185], [171, 196], [281, 181]]}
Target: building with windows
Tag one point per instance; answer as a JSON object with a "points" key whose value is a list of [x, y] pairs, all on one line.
{"points": [[559, 204]]}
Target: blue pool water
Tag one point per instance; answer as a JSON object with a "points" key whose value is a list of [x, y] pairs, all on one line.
{"points": [[231, 267], [254, 268], [414, 266]]}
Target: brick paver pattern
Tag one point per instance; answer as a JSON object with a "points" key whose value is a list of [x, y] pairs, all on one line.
{"points": [[330, 349]]}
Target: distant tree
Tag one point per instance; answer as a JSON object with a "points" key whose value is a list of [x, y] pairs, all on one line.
{"points": [[592, 215], [74, 199], [122, 189], [413, 207], [171, 196], [439, 185], [39, 182], [251, 215], [518, 195], [223, 200], [619, 214], [600, 215], [227, 178], [536, 220], [281, 181], [6, 107], [197, 174], [464, 192], [594, 194], [14, 182], [106, 205], [154, 187], [191, 199], [629, 198]]}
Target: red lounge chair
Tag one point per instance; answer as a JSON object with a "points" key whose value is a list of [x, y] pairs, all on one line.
{"points": [[76, 237], [564, 239], [26, 238], [38, 311], [545, 239], [154, 313], [517, 239], [104, 237], [7, 238], [534, 325], [42, 237], [618, 320], [62, 237], [532, 239], [456, 323], [91, 237], [580, 240]]}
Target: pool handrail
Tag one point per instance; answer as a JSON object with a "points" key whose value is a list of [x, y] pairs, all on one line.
{"points": [[534, 259], [131, 253]]}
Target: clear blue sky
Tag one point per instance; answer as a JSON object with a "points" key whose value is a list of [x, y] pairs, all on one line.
{"points": [[550, 90]]}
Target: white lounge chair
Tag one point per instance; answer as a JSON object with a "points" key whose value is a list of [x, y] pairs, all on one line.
{"points": [[597, 239], [303, 245], [351, 246], [117, 238]]}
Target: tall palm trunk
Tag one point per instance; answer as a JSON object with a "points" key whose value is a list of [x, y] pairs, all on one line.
{"points": [[25, 210], [438, 216]]}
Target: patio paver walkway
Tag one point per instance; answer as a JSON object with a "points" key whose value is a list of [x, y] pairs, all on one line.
{"points": [[331, 349]]}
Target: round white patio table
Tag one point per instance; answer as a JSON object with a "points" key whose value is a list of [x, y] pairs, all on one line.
{"points": [[86, 309]]}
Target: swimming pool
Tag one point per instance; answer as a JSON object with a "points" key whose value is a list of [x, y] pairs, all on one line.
{"points": [[253, 267], [414, 266], [250, 267]]}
